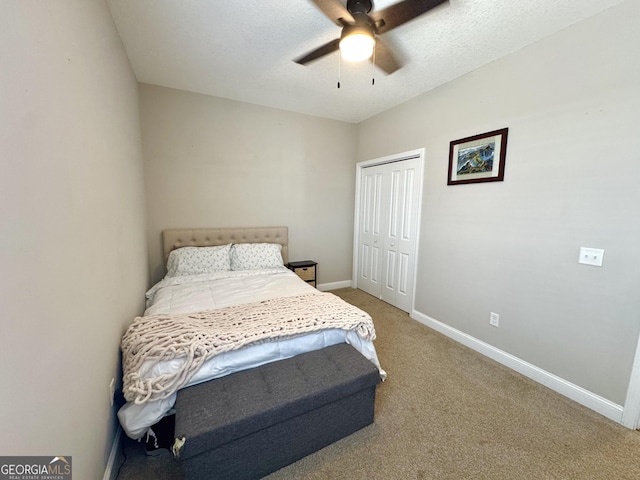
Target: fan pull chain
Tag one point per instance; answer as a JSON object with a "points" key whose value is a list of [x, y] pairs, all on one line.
{"points": [[339, 63], [373, 66]]}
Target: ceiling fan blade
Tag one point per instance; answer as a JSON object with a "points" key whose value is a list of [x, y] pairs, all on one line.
{"points": [[325, 49], [335, 11], [384, 58], [401, 12]]}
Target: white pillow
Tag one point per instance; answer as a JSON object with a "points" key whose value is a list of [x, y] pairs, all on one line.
{"points": [[256, 256], [195, 260]]}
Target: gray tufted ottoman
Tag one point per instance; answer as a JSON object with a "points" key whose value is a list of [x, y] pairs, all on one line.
{"points": [[251, 423]]}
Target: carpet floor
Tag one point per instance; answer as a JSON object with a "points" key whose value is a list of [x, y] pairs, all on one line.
{"points": [[447, 412]]}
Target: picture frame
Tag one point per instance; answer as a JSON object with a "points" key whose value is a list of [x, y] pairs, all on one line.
{"points": [[479, 158]]}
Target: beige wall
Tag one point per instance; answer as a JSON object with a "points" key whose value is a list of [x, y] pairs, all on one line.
{"points": [[572, 105], [211, 162], [73, 249]]}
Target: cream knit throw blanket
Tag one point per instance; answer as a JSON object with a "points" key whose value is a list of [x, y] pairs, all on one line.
{"points": [[196, 337]]}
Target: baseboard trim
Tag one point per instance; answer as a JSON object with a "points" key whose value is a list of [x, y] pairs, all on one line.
{"points": [[323, 287], [111, 472], [576, 393]]}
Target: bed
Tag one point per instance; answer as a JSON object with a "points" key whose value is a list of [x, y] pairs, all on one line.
{"points": [[216, 276]]}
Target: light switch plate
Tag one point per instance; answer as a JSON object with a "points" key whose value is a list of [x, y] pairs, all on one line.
{"points": [[591, 256]]}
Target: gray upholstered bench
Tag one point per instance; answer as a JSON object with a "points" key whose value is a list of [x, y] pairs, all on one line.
{"points": [[254, 422]]}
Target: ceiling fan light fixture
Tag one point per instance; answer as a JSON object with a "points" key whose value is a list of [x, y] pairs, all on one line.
{"points": [[357, 44]]}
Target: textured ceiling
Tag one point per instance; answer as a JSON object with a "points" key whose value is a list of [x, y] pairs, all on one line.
{"points": [[244, 50]]}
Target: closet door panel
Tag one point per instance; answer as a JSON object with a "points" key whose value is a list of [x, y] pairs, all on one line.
{"points": [[370, 232], [388, 226]]}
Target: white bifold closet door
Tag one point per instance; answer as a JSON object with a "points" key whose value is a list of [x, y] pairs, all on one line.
{"points": [[387, 230]]}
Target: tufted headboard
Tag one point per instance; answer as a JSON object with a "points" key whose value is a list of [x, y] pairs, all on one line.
{"points": [[209, 237]]}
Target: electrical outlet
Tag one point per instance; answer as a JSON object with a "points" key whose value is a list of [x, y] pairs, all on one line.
{"points": [[591, 256], [494, 319], [112, 391]]}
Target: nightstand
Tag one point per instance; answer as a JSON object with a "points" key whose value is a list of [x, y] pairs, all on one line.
{"points": [[305, 269]]}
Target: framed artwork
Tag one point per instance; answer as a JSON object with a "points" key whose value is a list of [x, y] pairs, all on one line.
{"points": [[479, 158]]}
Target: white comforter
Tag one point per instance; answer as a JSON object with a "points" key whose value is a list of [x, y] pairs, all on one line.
{"points": [[210, 291]]}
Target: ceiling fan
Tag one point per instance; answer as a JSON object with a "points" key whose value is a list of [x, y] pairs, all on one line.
{"points": [[361, 27]]}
